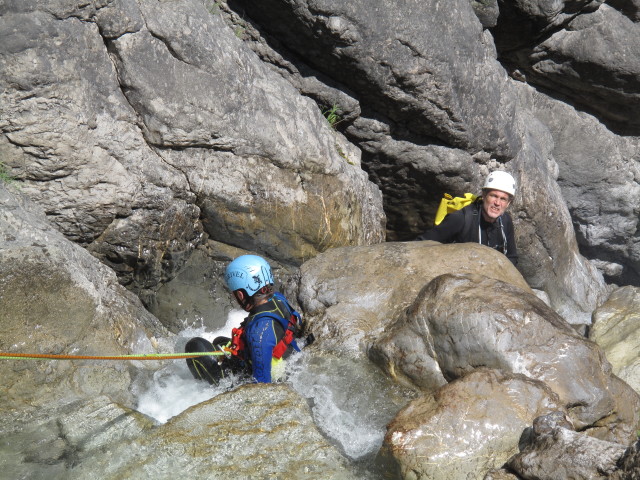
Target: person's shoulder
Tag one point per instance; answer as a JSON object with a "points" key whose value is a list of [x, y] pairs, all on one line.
{"points": [[459, 216]]}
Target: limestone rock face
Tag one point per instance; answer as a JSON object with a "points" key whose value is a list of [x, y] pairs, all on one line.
{"points": [[419, 83], [617, 330], [594, 61], [436, 437], [598, 175], [349, 295], [435, 136], [140, 127], [56, 298], [463, 322], [251, 432]]}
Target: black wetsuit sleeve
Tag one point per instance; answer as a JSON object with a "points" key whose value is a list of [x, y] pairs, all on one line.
{"points": [[447, 231], [512, 251]]}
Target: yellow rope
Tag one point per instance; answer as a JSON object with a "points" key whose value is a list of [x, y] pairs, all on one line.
{"points": [[148, 356]]}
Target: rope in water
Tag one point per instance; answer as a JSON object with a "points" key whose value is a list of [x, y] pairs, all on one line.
{"points": [[148, 356]]}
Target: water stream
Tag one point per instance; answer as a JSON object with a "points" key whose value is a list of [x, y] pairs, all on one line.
{"points": [[351, 400]]}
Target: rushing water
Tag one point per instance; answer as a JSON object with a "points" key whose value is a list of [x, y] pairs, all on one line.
{"points": [[351, 401]]}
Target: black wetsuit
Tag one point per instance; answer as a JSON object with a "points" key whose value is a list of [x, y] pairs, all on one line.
{"points": [[467, 224]]}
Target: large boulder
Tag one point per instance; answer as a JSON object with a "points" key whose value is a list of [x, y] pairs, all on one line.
{"points": [[56, 298], [552, 450], [459, 323], [350, 295], [616, 328], [254, 431], [466, 428]]}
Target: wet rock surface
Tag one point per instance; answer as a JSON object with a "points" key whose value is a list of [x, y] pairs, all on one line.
{"points": [[553, 450], [350, 295], [617, 330], [167, 137], [437, 436], [462, 322], [58, 299], [255, 430]]}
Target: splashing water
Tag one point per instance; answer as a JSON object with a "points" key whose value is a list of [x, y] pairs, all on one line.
{"points": [[351, 400], [172, 389]]}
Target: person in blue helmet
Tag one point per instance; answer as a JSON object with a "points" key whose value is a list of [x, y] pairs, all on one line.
{"points": [[265, 337]]}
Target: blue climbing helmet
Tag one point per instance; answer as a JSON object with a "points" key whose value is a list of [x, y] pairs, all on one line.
{"points": [[249, 273]]}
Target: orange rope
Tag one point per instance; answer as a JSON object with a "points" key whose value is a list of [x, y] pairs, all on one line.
{"points": [[152, 356]]}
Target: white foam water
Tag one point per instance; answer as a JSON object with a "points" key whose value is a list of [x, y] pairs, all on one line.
{"points": [[172, 389], [351, 400]]}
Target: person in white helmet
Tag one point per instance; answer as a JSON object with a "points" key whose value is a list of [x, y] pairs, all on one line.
{"points": [[485, 221]]}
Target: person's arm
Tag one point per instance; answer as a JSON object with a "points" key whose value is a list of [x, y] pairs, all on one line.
{"points": [[261, 339], [448, 229]]}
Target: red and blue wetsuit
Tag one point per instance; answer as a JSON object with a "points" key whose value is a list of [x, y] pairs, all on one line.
{"points": [[264, 328]]}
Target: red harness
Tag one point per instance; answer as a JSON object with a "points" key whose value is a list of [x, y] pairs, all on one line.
{"points": [[238, 345], [283, 344]]}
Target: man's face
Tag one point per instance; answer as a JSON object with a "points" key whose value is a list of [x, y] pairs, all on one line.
{"points": [[494, 204]]}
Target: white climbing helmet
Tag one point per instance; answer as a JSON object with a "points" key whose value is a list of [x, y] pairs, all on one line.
{"points": [[502, 181]]}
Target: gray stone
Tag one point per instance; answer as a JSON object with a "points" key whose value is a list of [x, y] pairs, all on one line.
{"points": [[137, 135], [628, 464], [421, 81], [459, 323], [412, 163], [255, 431], [350, 295], [71, 138], [436, 437], [556, 452], [594, 61], [523, 22], [630, 8], [487, 12], [616, 328], [58, 299]]}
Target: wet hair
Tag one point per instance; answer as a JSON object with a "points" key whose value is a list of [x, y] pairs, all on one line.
{"points": [[264, 292], [251, 301]]}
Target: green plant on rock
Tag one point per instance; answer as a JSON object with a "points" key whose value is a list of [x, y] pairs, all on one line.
{"points": [[239, 31], [213, 7], [4, 174], [333, 115], [343, 155]]}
